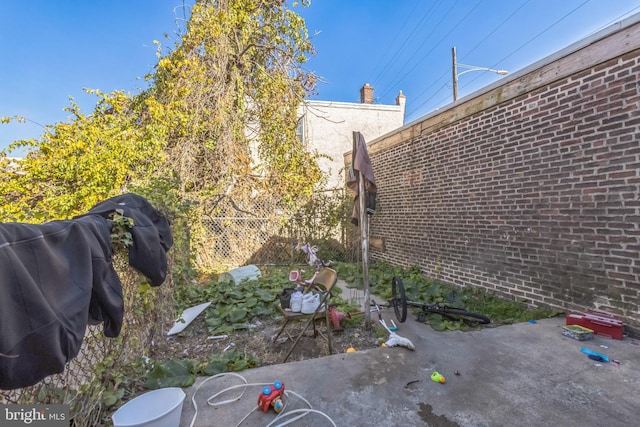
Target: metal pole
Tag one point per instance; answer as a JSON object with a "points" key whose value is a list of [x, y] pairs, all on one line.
{"points": [[454, 72], [363, 221], [364, 239]]}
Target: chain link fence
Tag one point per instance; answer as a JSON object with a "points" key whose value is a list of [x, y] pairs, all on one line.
{"points": [[260, 231], [251, 230], [97, 377]]}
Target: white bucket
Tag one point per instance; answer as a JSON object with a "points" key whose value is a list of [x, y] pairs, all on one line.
{"points": [[157, 408]]}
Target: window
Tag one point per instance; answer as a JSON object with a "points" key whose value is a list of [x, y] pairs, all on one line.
{"points": [[300, 129]]}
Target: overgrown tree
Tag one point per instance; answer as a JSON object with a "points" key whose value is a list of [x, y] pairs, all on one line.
{"points": [[74, 165], [219, 118], [230, 92]]}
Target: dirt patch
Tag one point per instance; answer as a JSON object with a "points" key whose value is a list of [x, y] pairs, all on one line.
{"points": [[195, 342]]}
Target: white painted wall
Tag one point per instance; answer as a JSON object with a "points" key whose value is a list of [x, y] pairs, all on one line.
{"points": [[329, 127]]}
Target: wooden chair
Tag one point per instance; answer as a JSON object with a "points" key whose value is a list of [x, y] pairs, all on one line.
{"points": [[323, 284]]}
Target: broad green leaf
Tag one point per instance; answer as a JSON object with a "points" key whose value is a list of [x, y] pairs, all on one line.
{"points": [[172, 373], [237, 314]]}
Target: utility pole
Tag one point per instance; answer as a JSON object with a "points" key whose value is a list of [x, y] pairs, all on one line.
{"points": [[454, 69], [467, 69]]}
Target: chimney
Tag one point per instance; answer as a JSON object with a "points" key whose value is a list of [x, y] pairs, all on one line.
{"points": [[401, 99], [366, 94]]}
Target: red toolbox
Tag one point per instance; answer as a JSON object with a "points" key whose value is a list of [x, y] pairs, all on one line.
{"points": [[601, 324]]}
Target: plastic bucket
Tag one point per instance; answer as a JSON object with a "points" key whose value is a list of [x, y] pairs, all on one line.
{"points": [[157, 408]]}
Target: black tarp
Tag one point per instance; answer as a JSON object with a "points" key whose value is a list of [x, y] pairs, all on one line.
{"points": [[58, 277]]}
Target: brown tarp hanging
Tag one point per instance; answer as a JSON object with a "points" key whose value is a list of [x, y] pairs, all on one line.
{"points": [[361, 166]]}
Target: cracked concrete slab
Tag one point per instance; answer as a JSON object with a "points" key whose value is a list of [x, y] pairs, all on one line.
{"points": [[523, 374]]}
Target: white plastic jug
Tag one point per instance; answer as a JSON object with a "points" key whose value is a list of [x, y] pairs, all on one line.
{"points": [[296, 302]]}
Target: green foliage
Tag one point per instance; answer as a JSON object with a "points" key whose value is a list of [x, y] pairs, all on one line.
{"points": [[180, 144], [317, 220], [231, 361], [120, 225], [237, 68], [77, 164], [219, 117], [234, 306], [173, 373], [507, 311], [183, 372], [421, 289]]}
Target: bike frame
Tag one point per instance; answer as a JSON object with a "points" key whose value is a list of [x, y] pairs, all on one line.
{"points": [[399, 303]]}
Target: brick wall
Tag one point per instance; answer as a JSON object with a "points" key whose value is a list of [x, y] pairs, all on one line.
{"points": [[530, 188]]}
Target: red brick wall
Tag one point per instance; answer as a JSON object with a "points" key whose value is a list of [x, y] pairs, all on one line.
{"points": [[532, 189]]}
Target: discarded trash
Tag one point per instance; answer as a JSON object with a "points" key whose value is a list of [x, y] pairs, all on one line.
{"points": [[411, 382], [187, 317], [351, 350], [599, 323], [394, 327], [588, 352], [217, 337], [228, 347], [395, 339], [240, 274], [616, 363], [604, 346], [577, 332], [456, 373], [438, 377], [532, 321], [596, 358]]}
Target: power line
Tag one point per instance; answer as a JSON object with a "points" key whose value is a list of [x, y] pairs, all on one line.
{"points": [[504, 21], [518, 49], [507, 19], [542, 32], [437, 44], [406, 40], [390, 85]]}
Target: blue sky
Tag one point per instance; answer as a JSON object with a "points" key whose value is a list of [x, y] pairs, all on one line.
{"points": [[51, 50]]}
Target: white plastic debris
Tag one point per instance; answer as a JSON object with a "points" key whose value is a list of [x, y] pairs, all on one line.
{"points": [[395, 339], [187, 317], [240, 274]]}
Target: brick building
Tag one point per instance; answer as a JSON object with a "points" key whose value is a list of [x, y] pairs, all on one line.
{"points": [[529, 188]]}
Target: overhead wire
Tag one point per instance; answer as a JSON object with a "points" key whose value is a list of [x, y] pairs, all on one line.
{"points": [[406, 40], [544, 31], [507, 19], [548, 28], [618, 19], [390, 85], [417, 63], [504, 21], [532, 39]]}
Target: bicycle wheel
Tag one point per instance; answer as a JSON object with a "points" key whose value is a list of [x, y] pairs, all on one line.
{"points": [[460, 313], [399, 299]]}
